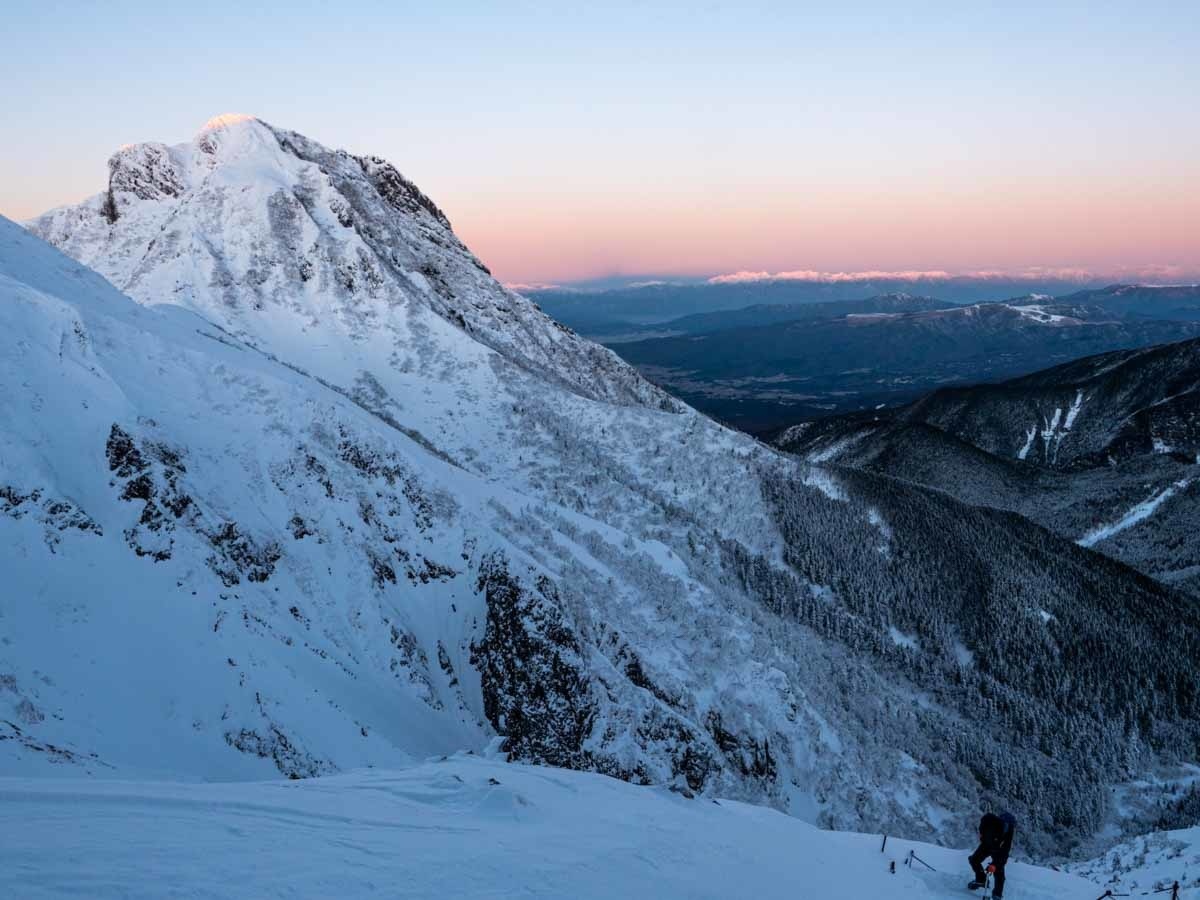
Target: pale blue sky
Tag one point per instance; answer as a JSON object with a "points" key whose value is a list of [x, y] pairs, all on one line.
{"points": [[763, 135]]}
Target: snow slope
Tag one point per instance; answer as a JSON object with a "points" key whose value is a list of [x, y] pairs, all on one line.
{"points": [[221, 566], [463, 827], [1150, 864], [152, 620], [1136, 514]]}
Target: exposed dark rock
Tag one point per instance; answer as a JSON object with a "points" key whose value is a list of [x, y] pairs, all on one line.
{"points": [[239, 555], [412, 663], [108, 207], [290, 760], [124, 458], [57, 515], [430, 571], [750, 757], [10, 731], [398, 190], [153, 471], [447, 666], [534, 680], [383, 573]]}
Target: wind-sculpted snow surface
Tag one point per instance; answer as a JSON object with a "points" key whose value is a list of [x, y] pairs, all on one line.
{"points": [[331, 497], [462, 827]]}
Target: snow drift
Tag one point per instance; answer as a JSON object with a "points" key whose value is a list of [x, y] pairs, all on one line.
{"points": [[461, 827]]}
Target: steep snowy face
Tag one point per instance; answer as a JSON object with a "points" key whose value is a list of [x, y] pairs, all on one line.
{"points": [[273, 237], [193, 538], [576, 484], [217, 564]]}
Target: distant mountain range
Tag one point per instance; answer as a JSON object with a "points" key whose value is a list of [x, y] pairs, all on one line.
{"points": [[598, 312], [1103, 450], [766, 314], [1180, 302], [763, 366]]}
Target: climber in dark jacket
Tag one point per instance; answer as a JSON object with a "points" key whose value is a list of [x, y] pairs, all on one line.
{"points": [[995, 840]]}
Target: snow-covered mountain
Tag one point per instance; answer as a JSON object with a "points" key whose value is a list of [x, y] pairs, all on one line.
{"points": [[276, 238], [315, 544], [762, 314], [1104, 449], [328, 496], [1142, 301], [1100, 409]]}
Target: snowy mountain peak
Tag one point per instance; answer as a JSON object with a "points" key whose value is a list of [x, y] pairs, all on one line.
{"points": [[267, 233], [227, 120], [234, 135], [156, 172]]}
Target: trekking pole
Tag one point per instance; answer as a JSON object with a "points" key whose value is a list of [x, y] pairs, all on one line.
{"points": [[921, 861], [1174, 889]]}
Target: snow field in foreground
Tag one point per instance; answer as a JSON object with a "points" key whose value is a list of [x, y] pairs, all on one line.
{"points": [[462, 827]]}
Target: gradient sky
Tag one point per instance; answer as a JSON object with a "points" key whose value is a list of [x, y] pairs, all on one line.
{"points": [[571, 141]]}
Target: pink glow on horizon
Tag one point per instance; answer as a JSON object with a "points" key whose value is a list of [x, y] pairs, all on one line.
{"points": [[814, 226], [1080, 231], [677, 140], [1073, 231]]}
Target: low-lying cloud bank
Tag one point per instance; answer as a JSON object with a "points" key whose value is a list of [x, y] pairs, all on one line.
{"points": [[1155, 275], [1142, 273]]}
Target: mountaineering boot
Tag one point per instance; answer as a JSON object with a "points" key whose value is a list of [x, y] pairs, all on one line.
{"points": [[976, 885]]}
